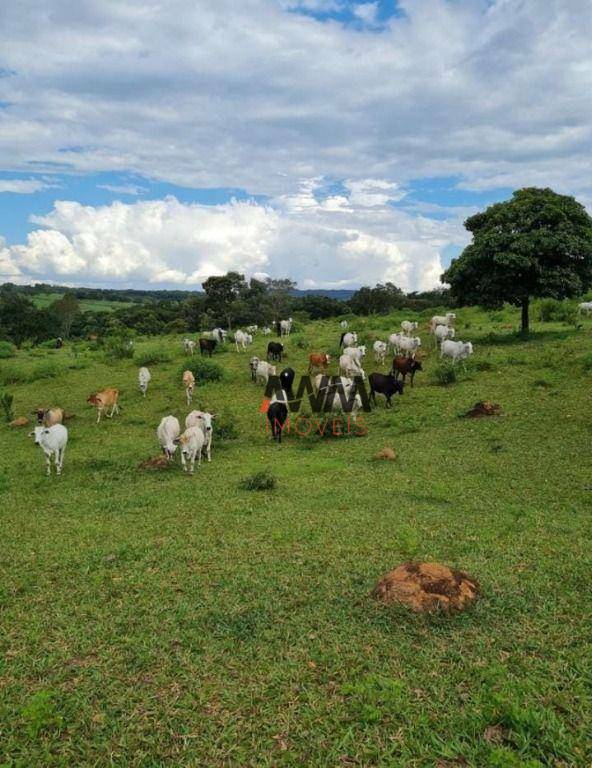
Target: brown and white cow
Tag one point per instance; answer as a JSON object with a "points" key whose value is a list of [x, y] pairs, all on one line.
{"points": [[103, 400]]}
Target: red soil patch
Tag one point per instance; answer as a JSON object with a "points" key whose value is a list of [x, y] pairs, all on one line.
{"points": [[427, 587], [156, 463], [484, 408]]}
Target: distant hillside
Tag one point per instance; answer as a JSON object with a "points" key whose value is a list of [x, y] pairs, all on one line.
{"points": [[340, 295]]}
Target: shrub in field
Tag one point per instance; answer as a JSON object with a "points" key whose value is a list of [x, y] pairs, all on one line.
{"points": [[7, 350], [119, 346], [203, 370], [152, 356], [551, 310], [444, 374], [45, 370], [6, 401], [224, 428], [260, 481]]}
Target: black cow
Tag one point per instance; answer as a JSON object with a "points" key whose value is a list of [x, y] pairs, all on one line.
{"points": [[275, 350], [277, 414], [207, 346], [384, 385], [287, 379]]}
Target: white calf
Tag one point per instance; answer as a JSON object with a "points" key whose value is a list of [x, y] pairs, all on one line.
{"points": [[167, 432], [242, 338], [189, 346], [191, 442], [263, 371], [53, 441], [457, 350], [443, 332], [144, 379], [380, 349], [447, 319], [344, 324], [253, 363], [203, 420], [286, 327]]}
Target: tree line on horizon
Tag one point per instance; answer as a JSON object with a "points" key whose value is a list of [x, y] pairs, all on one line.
{"points": [[537, 244]]}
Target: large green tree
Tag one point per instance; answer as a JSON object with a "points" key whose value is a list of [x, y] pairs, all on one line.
{"points": [[538, 243], [222, 295]]}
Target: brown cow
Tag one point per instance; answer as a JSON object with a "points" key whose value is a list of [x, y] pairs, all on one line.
{"points": [[102, 400], [318, 360], [189, 384], [49, 416], [405, 365]]}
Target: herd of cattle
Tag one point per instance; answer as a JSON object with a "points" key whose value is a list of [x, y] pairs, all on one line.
{"points": [[52, 436]]}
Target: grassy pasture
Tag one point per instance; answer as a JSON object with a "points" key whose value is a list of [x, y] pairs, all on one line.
{"points": [[157, 619], [42, 300]]}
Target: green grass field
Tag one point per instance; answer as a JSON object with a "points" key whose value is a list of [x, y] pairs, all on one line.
{"points": [[43, 300], [158, 619]]}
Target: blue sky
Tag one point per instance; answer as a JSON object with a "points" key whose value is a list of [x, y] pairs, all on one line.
{"points": [[336, 142]]}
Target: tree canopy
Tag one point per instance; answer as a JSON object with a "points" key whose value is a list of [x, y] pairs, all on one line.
{"points": [[537, 244]]}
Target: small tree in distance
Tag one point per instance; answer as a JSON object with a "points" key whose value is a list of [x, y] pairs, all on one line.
{"points": [[537, 244]]}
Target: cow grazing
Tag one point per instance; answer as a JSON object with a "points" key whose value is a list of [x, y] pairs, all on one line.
{"points": [[143, 380], [189, 346], [405, 366], [277, 415], [442, 332], [585, 307], [348, 339], [167, 432], [207, 346], [242, 338], [203, 420], [52, 441], [253, 363], [386, 385], [189, 384], [47, 417], [263, 371], [408, 327], [102, 400], [456, 350], [344, 324], [350, 367], [318, 360], [191, 443], [275, 350], [285, 327], [380, 348], [287, 380], [447, 319]]}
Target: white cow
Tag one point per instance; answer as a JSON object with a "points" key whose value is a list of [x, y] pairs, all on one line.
{"points": [[349, 339], [253, 363], [408, 326], [242, 338], [53, 441], [266, 330], [263, 371], [189, 346], [144, 379], [443, 332], [350, 367], [286, 327], [585, 307], [457, 350], [252, 329], [192, 443], [219, 334], [203, 420], [409, 345], [167, 432], [447, 319], [356, 353], [380, 349], [322, 381], [344, 324], [189, 383]]}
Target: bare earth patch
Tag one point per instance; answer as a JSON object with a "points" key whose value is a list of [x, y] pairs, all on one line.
{"points": [[484, 408], [386, 453], [427, 587], [155, 463]]}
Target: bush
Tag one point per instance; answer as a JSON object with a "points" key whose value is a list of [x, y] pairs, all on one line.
{"points": [[444, 374], [224, 428], [551, 310], [7, 350], [203, 370], [6, 401], [152, 356], [260, 481], [119, 346]]}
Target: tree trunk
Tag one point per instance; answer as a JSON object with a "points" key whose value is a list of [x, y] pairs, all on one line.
{"points": [[525, 324]]}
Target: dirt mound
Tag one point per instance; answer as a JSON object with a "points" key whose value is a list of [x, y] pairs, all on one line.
{"points": [[427, 587], [484, 408], [386, 453], [155, 463], [21, 421]]}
